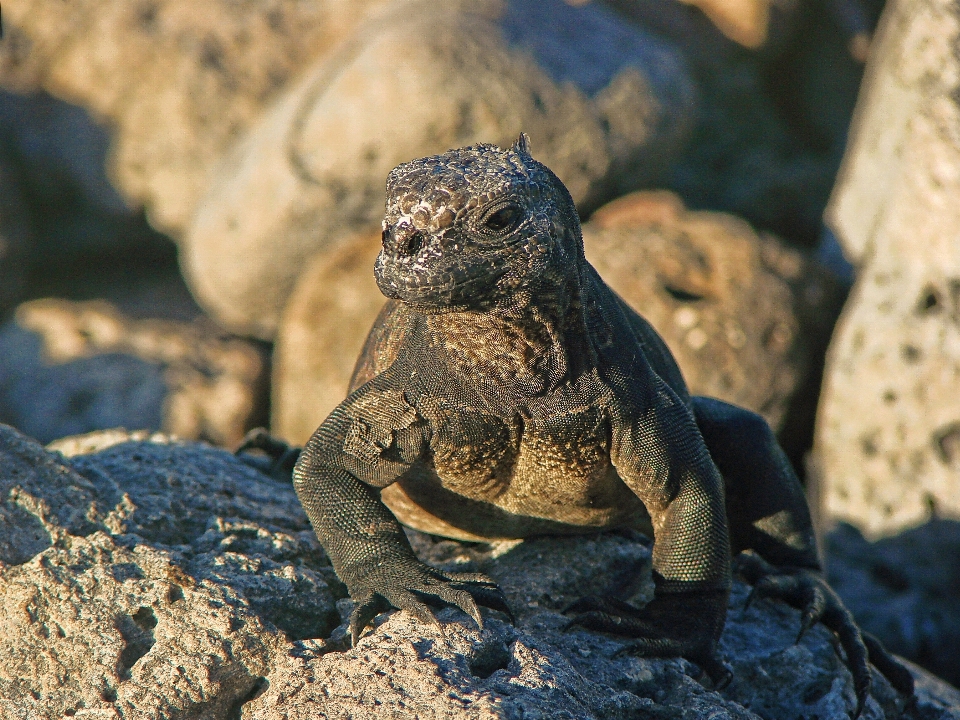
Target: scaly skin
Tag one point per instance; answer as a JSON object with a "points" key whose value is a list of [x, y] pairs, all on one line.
{"points": [[506, 391]]}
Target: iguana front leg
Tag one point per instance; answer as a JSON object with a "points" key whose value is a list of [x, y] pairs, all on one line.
{"points": [[658, 452], [367, 443]]}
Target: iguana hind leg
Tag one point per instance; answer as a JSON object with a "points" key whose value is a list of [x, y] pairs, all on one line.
{"points": [[768, 514]]}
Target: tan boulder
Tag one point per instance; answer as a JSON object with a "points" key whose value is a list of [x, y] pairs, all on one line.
{"points": [[746, 316], [888, 430], [419, 81], [324, 324]]}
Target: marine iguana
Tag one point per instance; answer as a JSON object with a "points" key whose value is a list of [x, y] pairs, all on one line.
{"points": [[505, 391]]}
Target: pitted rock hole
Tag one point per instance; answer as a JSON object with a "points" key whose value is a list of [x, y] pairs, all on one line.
{"points": [[24, 535], [258, 688], [489, 658], [126, 571], [947, 442], [930, 301], [681, 295], [137, 633]]}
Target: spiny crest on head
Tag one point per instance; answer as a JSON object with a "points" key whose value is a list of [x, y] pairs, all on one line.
{"points": [[522, 145]]}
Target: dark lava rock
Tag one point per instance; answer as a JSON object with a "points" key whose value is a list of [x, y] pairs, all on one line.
{"points": [[905, 589]]}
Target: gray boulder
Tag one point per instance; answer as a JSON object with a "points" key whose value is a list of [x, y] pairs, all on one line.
{"points": [[904, 589], [72, 367], [166, 579], [607, 106], [148, 580], [60, 153]]}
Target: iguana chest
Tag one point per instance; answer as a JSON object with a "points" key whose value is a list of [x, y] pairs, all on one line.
{"points": [[548, 460]]}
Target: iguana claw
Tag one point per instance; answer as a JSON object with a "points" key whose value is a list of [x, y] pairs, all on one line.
{"points": [[417, 587], [807, 591], [684, 625]]}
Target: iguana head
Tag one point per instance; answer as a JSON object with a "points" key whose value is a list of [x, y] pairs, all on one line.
{"points": [[474, 228]]}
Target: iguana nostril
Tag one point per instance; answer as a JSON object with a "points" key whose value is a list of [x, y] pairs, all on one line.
{"points": [[402, 241], [413, 245]]}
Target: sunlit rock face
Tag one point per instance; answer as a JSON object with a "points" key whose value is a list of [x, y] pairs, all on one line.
{"points": [[888, 436]]}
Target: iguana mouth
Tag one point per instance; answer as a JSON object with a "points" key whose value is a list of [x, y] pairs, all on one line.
{"points": [[454, 288]]}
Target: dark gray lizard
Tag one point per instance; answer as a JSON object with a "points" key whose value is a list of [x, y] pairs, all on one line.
{"points": [[505, 391]]}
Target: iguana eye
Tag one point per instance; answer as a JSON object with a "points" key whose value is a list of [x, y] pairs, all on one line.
{"points": [[504, 218]]}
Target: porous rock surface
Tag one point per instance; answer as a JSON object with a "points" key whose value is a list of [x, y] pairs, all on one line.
{"points": [[888, 430], [157, 578], [607, 106], [165, 579], [72, 367], [747, 318]]}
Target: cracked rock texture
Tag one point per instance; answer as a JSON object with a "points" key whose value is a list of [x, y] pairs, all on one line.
{"points": [[607, 107], [153, 578], [888, 432], [72, 367], [747, 318]]}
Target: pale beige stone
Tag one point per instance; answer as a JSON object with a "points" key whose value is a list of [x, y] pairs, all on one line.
{"points": [[888, 435], [417, 81]]}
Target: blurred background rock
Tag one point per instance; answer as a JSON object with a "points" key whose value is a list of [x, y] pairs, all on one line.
{"points": [[210, 176]]}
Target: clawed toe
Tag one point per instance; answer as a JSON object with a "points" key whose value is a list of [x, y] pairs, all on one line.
{"points": [[897, 674], [806, 591], [281, 457], [667, 627], [602, 614], [363, 612], [720, 675], [494, 599], [426, 587]]}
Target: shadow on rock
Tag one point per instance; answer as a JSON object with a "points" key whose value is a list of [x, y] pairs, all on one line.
{"points": [[904, 589]]}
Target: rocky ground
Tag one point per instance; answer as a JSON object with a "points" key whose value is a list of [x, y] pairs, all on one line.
{"points": [[143, 577], [189, 207]]}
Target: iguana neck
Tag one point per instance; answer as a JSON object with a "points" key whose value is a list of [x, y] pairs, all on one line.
{"points": [[519, 351]]}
